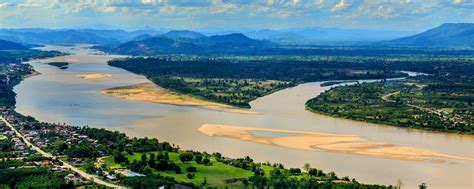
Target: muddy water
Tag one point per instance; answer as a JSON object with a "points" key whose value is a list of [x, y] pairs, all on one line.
{"points": [[60, 96]]}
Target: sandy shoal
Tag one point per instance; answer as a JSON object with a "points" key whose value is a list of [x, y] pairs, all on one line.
{"points": [[315, 141], [94, 75], [99, 59], [149, 92]]}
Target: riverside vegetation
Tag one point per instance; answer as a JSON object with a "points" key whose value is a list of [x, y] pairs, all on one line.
{"points": [[442, 101], [237, 80]]}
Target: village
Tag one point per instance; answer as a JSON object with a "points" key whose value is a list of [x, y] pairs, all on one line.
{"points": [[48, 137]]}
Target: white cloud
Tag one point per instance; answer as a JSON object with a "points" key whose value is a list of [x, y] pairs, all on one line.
{"points": [[457, 2], [29, 4], [339, 6], [5, 5], [235, 13]]}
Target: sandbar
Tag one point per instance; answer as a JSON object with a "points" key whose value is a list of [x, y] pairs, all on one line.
{"points": [[88, 58], [315, 141], [94, 75], [149, 92]]}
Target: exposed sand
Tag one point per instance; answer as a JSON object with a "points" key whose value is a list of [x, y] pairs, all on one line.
{"points": [[304, 140], [149, 92], [98, 59], [94, 75]]}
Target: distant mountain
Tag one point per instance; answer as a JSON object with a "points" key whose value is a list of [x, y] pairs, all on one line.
{"points": [[231, 43], [142, 37], [316, 35], [453, 35], [8, 45], [157, 45], [71, 36], [183, 34]]}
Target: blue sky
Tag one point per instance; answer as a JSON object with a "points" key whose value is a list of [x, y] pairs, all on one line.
{"points": [[414, 15]]}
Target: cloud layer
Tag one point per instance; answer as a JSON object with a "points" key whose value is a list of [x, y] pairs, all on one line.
{"points": [[235, 14]]}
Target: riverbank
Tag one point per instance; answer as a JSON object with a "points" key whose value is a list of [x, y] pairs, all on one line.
{"points": [[316, 141], [149, 92]]}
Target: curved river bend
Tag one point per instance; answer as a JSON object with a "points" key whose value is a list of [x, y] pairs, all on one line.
{"points": [[60, 96]]}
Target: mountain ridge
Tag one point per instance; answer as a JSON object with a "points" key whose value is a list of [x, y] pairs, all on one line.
{"points": [[446, 35], [8, 45]]}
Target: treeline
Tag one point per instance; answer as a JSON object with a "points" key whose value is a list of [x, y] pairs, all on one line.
{"points": [[17, 56], [266, 69]]}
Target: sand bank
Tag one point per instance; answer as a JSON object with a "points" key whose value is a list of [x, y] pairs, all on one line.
{"points": [[94, 75], [98, 59], [304, 140], [149, 92]]}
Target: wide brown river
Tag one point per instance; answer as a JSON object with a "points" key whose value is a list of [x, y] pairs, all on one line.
{"points": [[60, 96]]}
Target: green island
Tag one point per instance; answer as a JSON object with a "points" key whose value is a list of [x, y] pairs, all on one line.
{"points": [[236, 80], [441, 101], [60, 65]]}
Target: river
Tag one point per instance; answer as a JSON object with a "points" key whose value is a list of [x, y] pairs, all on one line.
{"points": [[58, 95]]}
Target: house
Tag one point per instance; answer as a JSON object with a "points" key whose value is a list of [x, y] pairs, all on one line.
{"points": [[111, 177], [60, 169], [71, 177], [44, 163]]}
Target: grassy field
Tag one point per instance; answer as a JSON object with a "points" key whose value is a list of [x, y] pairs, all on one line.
{"points": [[216, 174]]}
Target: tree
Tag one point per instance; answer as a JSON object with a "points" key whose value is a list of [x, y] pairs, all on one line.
{"points": [[190, 176], [191, 169], [206, 161], [185, 157], [198, 159], [295, 171], [313, 172], [307, 167], [119, 157], [177, 170], [152, 156], [423, 186], [60, 145]]}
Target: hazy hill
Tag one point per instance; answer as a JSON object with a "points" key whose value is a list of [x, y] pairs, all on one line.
{"points": [[183, 34], [453, 35], [8, 45], [156, 45], [71, 36], [142, 37], [173, 45], [315, 35]]}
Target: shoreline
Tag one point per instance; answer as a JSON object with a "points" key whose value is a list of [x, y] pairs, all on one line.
{"points": [[150, 92], [32, 74], [423, 130], [315, 141]]}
